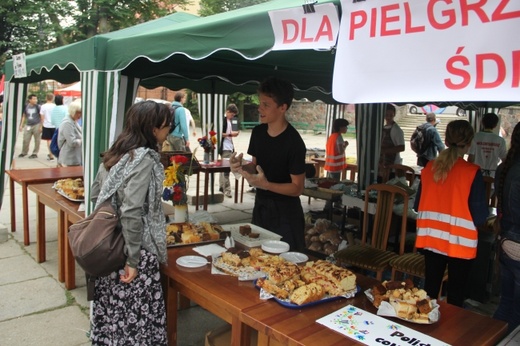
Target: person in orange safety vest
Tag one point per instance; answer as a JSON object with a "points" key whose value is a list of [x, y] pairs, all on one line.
{"points": [[335, 151], [451, 203]]}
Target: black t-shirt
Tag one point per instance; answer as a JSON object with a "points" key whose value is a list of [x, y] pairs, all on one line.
{"points": [[278, 156]]}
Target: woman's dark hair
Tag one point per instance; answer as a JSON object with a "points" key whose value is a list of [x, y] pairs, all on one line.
{"points": [[141, 119], [338, 124], [514, 150], [58, 100]]}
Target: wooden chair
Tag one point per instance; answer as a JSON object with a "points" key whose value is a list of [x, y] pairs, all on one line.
{"points": [[413, 264], [400, 171], [374, 255]]}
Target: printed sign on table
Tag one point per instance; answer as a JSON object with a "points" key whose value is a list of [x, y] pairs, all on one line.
{"points": [[370, 329]]}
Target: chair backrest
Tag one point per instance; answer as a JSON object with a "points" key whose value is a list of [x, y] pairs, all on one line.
{"points": [[400, 171], [490, 191], [386, 196]]}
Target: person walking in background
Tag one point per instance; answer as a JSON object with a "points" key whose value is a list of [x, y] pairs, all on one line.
{"points": [[70, 137], [433, 139], [335, 161], [488, 148], [278, 154], [59, 112], [178, 139], [190, 122], [227, 148], [31, 125], [48, 128], [128, 306], [507, 183], [392, 141], [451, 204]]}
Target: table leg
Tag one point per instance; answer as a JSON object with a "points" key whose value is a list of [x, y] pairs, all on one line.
{"points": [[263, 339], [197, 194], [242, 191], [40, 231], [236, 191], [25, 206], [171, 313], [13, 207], [240, 332], [61, 246], [206, 183], [70, 263]]}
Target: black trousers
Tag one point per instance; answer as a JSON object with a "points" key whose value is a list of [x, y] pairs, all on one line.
{"points": [[458, 274]]}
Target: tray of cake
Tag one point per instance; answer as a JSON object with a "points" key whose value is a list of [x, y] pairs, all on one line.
{"points": [[187, 233], [250, 235], [72, 189]]}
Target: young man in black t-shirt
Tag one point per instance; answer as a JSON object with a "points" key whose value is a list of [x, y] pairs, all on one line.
{"points": [[278, 153]]}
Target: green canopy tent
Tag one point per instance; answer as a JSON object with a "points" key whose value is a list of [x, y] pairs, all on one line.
{"points": [[217, 53]]}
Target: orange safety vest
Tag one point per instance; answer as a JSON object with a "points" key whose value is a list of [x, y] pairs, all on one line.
{"points": [[334, 160], [444, 222]]}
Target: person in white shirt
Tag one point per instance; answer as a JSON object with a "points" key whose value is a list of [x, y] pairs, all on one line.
{"points": [[488, 148], [48, 128], [190, 121], [227, 148]]}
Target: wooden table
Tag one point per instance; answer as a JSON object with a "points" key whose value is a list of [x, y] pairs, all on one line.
{"points": [[217, 166], [238, 303], [26, 177], [67, 214], [456, 326], [222, 295]]}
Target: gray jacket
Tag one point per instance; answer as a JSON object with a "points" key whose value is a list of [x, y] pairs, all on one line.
{"points": [[69, 141]]}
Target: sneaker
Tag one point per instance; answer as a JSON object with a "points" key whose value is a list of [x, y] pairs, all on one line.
{"points": [[33, 156], [228, 194], [50, 158], [22, 155]]}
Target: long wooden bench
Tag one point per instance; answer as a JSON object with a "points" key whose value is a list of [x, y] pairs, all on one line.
{"points": [[244, 125]]}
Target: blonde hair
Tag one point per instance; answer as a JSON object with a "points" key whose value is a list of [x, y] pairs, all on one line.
{"points": [[459, 134]]}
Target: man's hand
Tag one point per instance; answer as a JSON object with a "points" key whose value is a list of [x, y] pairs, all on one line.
{"points": [[256, 180], [235, 163]]}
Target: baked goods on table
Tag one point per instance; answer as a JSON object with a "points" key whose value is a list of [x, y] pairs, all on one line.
{"points": [[71, 188], [408, 302], [189, 233]]}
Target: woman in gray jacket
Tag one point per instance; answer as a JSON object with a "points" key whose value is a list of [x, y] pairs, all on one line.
{"points": [[70, 137]]}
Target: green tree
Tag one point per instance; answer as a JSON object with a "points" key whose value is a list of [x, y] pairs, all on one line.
{"points": [[34, 25], [210, 7]]}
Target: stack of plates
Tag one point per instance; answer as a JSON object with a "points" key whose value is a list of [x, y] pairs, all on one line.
{"points": [[275, 246]]}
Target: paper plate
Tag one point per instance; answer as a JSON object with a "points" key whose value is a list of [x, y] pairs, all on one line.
{"points": [[192, 261], [295, 257], [275, 246]]}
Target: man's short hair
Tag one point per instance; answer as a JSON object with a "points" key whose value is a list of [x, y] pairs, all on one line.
{"points": [[281, 91], [179, 95], [490, 120], [232, 108], [390, 107], [431, 117]]}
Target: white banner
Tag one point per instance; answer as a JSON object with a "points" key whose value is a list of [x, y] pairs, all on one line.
{"points": [[19, 66], [294, 29], [428, 50]]}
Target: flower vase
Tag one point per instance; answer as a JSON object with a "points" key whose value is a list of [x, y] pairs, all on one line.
{"points": [[206, 157], [181, 213]]}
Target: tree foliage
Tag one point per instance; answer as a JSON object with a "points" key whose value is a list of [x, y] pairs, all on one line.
{"points": [[210, 7], [31, 26]]}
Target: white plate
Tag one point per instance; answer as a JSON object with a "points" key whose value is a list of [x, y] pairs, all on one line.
{"points": [[275, 246], [192, 261], [295, 257]]}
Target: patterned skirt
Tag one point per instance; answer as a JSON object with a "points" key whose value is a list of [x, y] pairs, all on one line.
{"points": [[130, 314]]}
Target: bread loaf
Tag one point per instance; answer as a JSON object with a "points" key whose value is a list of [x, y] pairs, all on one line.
{"points": [[307, 294], [342, 277]]}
